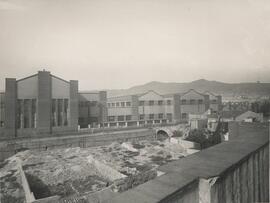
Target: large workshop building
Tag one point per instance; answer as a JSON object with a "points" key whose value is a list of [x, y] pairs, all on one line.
{"points": [[39, 104], [43, 104]]}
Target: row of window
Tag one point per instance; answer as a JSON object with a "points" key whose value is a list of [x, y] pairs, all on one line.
{"points": [[141, 103], [141, 117], [119, 104], [88, 103], [152, 102], [194, 101]]}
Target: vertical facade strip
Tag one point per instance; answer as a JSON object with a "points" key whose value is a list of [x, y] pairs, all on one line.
{"points": [[10, 107]]}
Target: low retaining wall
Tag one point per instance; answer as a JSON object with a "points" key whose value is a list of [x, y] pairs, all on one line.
{"points": [[134, 180], [186, 144], [9, 148], [29, 196], [105, 171]]}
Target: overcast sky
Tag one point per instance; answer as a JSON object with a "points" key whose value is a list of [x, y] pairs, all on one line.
{"points": [[121, 43]]}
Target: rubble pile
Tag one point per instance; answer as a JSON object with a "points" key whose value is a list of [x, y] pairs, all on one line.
{"points": [[77, 171]]}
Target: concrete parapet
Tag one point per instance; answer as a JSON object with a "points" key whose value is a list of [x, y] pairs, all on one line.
{"points": [[233, 171]]}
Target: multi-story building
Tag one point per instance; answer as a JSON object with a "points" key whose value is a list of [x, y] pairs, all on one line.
{"points": [[147, 108], [39, 104], [46, 104], [92, 108], [193, 102], [215, 102]]}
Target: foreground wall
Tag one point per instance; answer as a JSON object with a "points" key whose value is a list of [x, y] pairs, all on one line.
{"points": [[233, 171]]}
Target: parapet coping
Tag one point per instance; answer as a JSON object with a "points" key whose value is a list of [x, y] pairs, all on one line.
{"points": [[180, 175]]}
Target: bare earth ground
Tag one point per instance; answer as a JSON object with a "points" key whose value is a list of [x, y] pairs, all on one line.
{"points": [[68, 172]]}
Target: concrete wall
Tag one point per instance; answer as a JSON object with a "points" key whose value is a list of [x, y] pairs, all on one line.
{"points": [[9, 148], [44, 102], [2, 110], [73, 105], [233, 171], [10, 107], [60, 88], [29, 196], [27, 88]]}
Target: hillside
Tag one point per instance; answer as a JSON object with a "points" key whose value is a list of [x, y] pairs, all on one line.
{"points": [[224, 89]]}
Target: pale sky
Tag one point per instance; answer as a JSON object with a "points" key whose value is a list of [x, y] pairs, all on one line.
{"points": [[108, 44]]}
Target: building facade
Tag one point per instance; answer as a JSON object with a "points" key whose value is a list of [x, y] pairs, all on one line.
{"points": [[215, 102], [40, 104], [45, 104], [147, 108], [193, 102]]}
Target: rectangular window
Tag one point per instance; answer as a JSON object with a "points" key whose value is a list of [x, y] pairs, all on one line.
{"points": [[151, 103], [160, 115], [183, 101], [113, 104], [141, 103], [160, 102], [26, 107], [169, 102], [200, 101], [59, 112], [19, 113], [169, 116], [54, 112], [192, 101], [120, 118], [117, 104], [93, 103], [65, 112], [184, 116], [122, 104], [141, 116], [151, 116], [34, 114], [111, 118], [128, 117], [128, 103]]}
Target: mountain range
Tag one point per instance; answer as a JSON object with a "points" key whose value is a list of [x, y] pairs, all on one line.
{"points": [[250, 90]]}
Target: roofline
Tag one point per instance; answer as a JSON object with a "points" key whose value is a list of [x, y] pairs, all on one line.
{"points": [[194, 91], [26, 77], [88, 92], [59, 78], [151, 91], [128, 95]]}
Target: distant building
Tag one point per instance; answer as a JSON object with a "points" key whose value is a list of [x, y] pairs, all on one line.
{"points": [[250, 116], [148, 108], [193, 102], [215, 102]]}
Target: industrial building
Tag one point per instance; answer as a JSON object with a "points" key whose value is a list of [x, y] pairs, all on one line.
{"points": [[46, 104], [39, 104]]}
